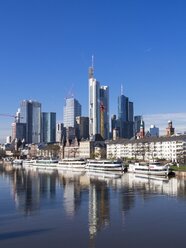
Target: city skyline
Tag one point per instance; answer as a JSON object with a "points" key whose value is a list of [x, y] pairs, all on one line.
{"points": [[139, 44]]}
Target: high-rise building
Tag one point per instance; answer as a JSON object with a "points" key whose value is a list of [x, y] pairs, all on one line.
{"points": [[123, 107], [48, 121], [125, 122], [137, 123], [31, 116], [82, 127], [60, 132], [104, 100], [154, 131], [72, 109], [18, 131], [113, 125], [94, 104]]}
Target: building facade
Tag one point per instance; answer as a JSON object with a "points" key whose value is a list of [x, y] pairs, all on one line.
{"points": [[31, 116], [48, 127], [104, 100], [94, 104], [82, 124], [60, 132], [168, 148], [72, 109], [154, 131]]}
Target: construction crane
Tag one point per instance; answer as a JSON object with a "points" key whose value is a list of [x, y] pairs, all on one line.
{"points": [[102, 110], [17, 116]]}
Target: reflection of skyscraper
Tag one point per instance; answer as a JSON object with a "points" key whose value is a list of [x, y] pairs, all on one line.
{"points": [[99, 211], [31, 115]]}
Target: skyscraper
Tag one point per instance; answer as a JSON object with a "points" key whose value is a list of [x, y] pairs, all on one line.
{"points": [[48, 127], [104, 100], [72, 109], [60, 132], [137, 123], [31, 115], [125, 121], [82, 127], [94, 104]]}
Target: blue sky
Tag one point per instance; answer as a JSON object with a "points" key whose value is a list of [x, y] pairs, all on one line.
{"points": [[46, 48]]}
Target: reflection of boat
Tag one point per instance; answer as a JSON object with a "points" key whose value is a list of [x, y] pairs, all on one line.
{"points": [[71, 163], [50, 164], [71, 172], [104, 174], [152, 168], [28, 163], [17, 162], [152, 177], [104, 165]]}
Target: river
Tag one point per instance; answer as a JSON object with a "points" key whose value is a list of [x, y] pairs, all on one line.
{"points": [[78, 209]]}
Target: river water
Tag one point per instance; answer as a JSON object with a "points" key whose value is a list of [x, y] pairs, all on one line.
{"points": [[77, 209]]}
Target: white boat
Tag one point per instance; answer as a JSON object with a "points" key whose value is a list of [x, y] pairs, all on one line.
{"points": [[50, 164], [17, 162], [72, 163], [104, 165], [151, 168]]}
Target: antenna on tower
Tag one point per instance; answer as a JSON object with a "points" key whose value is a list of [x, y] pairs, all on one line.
{"points": [[91, 69], [92, 61], [121, 89]]}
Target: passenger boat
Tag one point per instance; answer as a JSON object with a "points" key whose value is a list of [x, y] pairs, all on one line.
{"points": [[17, 162], [72, 163], [104, 165], [50, 164], [151, 168]]}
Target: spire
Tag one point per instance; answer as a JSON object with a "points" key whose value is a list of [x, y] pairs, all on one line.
{"points": [[122, 90], [93, 62], [91, 69]]}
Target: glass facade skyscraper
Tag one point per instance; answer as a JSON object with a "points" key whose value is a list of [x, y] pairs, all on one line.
{"points": [[72, 109], [48, 127], [104, 99], [31, 115], [94, 104]]}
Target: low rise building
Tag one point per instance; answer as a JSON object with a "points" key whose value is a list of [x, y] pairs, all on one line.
{"points": [[169, 148]]}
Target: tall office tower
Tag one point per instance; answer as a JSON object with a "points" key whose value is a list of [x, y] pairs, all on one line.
{"points": [[72, 109], [154, 131], [82, 127], [94, 104], [60, 132], [18, 131], [104, 116], [131, 111], [113, 124], [125, 116], [31, 115], [137, 123], [48, 121], [123, 106]]}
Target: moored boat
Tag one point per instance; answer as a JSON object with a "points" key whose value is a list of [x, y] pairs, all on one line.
{"points": [[72, 163], [50, 164], [104, 165], [151, 168]]}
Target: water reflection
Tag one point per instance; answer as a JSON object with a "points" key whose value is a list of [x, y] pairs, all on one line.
{"points": [[99, 192]]}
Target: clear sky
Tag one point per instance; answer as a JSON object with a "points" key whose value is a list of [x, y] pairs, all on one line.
{"points": [[46, 48]]}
